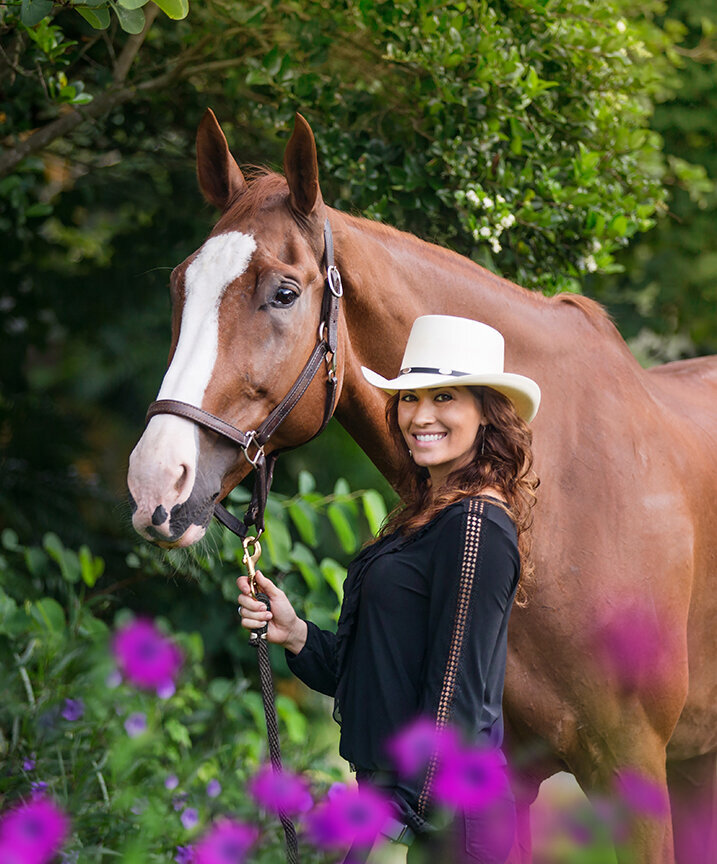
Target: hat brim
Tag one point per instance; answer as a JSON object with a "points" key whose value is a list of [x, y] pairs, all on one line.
{"points": [[523, 392]]}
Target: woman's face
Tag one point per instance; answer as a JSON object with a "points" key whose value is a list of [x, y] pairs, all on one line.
{"points": [[440, 427]]}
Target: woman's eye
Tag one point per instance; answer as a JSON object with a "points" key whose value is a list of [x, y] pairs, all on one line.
{"points": [[409, 397], [284, 297], [443, 397]]}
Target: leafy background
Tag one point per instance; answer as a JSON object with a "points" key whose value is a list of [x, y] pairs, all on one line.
{"points": [[566, 144]]}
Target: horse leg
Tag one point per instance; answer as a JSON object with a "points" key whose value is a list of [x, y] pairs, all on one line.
{"points": [[597, 769], [525, 788], [692, 784]]}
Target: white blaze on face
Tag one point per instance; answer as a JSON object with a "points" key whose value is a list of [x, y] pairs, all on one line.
{"points": [[163, 464]]}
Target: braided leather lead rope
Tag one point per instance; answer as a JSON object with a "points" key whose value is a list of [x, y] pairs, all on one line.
{"points": [[257, 639]]}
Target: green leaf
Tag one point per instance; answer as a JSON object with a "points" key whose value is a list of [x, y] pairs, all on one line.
{"points": [[342, 527], [66, 559], [33, 11], [334, 574], [277, 541], [307, 483], [304, 559], [9, 540], [176, 9], [304, 518], [97, 18], [133, 4], [91, 568], [177, 732], [131, 20], [293, 718], [374, 507], [49, 614]]}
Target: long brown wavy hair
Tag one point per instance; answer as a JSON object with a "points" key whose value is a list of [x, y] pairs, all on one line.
{"points": [[502, 459]]}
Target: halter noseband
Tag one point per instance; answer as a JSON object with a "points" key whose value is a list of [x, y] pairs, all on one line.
{"points": [[263, 464]]}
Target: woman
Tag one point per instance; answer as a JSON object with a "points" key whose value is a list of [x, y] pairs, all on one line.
{"points": [[423, 625]]}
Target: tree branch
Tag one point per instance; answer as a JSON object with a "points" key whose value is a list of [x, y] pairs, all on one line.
{"points": [[132, 46]]}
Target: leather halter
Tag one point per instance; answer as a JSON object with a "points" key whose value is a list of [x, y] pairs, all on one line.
{"points": [[263, 464]]}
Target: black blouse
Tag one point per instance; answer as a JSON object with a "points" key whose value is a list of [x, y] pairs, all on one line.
{"points": [[422, 631]]}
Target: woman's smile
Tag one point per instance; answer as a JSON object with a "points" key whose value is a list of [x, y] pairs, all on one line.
{"points": [[439, 427]]}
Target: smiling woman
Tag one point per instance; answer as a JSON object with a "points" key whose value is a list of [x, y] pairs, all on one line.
{"points": [[424, 621]]}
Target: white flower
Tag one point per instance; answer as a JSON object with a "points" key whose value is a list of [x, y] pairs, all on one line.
{"points": [[484, 231], [620, 26], [476, 235], [495, 245], [500, 199], [507, 221], [588, 263], [472, 197], [488, 203]]}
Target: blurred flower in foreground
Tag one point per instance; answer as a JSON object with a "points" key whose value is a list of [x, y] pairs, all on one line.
{"points": [[280, 791], [146, 657], [214, 789], [469, 777], [74, 709], [227, 842], [135, 724], [190, 818], [642, 794], [349, 816], [32, 833], [412, 748]]}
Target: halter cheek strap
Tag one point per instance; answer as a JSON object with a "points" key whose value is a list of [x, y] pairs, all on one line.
{"points": [[253, 441]]}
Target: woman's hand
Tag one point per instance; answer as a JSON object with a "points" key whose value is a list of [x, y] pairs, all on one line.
{"points": [[285, 627]]}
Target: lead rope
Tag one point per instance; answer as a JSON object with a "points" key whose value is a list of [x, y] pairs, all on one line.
{"points": [[257, 639]]}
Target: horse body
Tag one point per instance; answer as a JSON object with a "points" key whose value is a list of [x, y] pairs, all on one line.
{"points": [[624, 533]]}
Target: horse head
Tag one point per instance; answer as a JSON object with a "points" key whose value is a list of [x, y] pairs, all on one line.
{"points": [[246, 308]]}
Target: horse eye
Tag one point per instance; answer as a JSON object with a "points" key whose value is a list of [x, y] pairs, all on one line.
{"points": [[284, 297]]}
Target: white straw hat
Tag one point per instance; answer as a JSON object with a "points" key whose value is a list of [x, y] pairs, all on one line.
{"points": [[446, 350]]}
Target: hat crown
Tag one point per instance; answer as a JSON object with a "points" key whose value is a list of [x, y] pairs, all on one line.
{"points": [[449, 344]]}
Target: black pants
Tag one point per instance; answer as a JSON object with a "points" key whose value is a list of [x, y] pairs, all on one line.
{"points": [[482, 836]]}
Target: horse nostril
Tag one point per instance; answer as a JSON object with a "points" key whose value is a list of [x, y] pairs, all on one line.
{"points": [[182, 479], [159, 516]]}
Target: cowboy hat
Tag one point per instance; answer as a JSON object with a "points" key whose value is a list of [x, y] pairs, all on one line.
{"points": [[446, 350]]}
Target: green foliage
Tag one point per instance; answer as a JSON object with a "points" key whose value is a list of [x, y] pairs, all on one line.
{"points": [[54, 646], [130, 14]]}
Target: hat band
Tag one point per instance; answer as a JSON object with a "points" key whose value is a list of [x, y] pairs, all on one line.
{"points": [[431, 370]]}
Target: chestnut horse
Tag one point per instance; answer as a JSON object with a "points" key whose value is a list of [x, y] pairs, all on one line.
{"points": [[612, 665]]}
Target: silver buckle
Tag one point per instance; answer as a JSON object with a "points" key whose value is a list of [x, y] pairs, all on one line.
{"points": [[251, 435], [333, 277]]}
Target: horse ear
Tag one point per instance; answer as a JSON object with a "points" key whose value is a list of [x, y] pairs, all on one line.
{"points": [[220, 178], [301, 168]]}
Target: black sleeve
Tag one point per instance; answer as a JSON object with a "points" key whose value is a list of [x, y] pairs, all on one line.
{"points": [[315, 664], [473, 581]]}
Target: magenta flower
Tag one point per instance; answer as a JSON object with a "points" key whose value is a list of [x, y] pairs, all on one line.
{"points": [[32, 833], [280, 791], [470, 777], [351, 815], [190, 818], [641, 794], [227, 842], [135, 724], [414, 745], [74, 709], [146, 657]]}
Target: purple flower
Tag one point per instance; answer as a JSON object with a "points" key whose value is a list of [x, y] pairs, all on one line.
{"points": [[641, 794], [226, 843], [412, 748], [32, 833], [74, 709], [135, 724], [146, 657], [171, 782], [179, 801], [351, 815], [114, 679], [280, 791], [185, 855], [214, 789], [470, 777], [190, 818], [29, 764], [38, 788], [166, 690]]}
